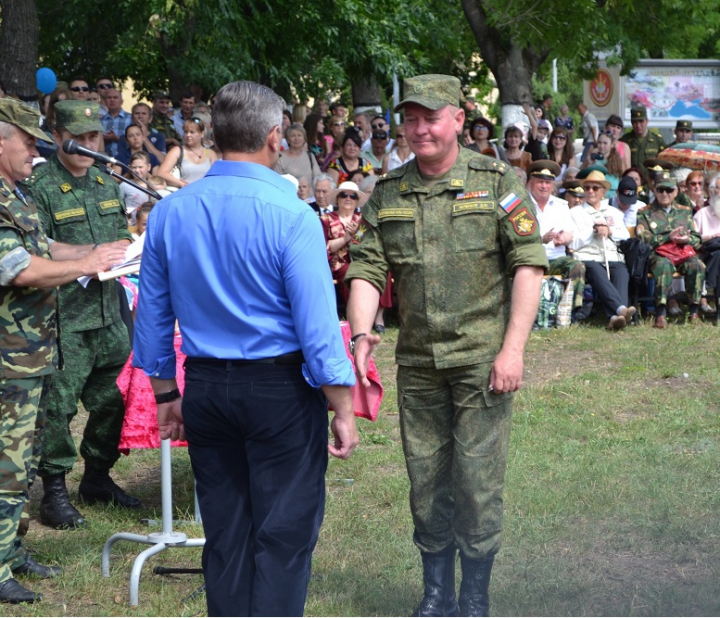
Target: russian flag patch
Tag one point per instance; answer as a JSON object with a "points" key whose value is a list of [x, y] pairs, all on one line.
{"points": [[510, 202]]}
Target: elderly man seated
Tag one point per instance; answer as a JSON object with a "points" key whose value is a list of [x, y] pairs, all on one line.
{"points": [[599, 227], [669, 229], [556, 227]]}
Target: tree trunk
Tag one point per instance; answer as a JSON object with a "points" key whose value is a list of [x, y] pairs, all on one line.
{"points": [[512, 64], [366, 95], [19, 48]]}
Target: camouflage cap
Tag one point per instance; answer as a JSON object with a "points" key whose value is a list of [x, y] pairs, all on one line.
{"points": [[431, 91], [22, 116], [664, 179], [78, 117], [638, 113], [684, 124]]}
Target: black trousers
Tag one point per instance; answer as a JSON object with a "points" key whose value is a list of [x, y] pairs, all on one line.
{"points": [[613, 292], [257, 437]]}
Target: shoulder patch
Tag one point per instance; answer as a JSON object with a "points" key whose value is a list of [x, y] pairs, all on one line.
{"points": [[523, 222]]}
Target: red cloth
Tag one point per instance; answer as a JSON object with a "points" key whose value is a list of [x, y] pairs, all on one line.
{"points": [[140, 428]]}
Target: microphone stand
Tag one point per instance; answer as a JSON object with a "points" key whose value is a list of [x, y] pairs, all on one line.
{"points": [[147, 190]]}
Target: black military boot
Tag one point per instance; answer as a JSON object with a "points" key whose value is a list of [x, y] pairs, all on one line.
{"points": [[12, 591], [439, 580], [56, 510], [96, 486], [474, 596], [32, 568]]}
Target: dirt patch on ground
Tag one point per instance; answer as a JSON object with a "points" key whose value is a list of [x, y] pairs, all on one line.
{"points": [[547, 366]]}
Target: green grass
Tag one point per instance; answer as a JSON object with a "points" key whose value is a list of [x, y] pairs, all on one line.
{"points": [[611, 503]]}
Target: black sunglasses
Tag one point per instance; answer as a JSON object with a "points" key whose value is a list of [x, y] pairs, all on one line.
{"points": [[561, 137], [665, 189], [104, 86], [80, 89], [343, 196], [377, 126]]}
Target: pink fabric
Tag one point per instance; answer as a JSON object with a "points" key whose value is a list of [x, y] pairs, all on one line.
{"points": [[140, 428]]}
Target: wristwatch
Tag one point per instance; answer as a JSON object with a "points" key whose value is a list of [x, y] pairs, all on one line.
{"points": [[168, 397], [351, 345]]}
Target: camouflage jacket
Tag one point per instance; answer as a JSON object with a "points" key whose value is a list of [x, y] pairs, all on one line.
{"points": [[654, 224], [81, 211], [452, 249], [28, 327], [642, 148], [165, 125]]}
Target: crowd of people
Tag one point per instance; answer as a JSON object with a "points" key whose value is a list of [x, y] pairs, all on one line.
{"points": [[381, 197]]}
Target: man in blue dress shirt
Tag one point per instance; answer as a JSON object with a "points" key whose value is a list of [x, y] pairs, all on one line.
{"points": [[241, 263]]}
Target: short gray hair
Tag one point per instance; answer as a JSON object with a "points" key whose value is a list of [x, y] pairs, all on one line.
{"points": [[243, 114], [7, 130], [327, 177]]}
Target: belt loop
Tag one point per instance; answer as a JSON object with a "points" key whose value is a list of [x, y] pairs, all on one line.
{"points": [[228, 366]]}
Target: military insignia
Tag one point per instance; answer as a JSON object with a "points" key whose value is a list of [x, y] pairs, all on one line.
{"points": [[523, 222], [468, 207], [472, 195], [361, 231], [403, 186], [100, 180], [396, 213], [417, 88], [106, 205], [88, 112], [67, 214], [456, 182], [509, 202], [653, 225], [65, 187]]}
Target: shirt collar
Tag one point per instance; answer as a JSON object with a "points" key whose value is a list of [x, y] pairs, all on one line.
{"points": [[244, 169]]}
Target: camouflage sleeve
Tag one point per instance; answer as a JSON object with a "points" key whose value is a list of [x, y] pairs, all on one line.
{"points": [[14, 258], [123, 231], [519, 230], [39, 198], [367, 255], [642, 227]]}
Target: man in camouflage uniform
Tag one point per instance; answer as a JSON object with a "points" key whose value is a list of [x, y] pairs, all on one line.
{"points": [[28, 353], [77, 203], [643, 144], [161, 122], [667, 223], [454, 227]]}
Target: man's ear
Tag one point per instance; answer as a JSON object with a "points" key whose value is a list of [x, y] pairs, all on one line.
{"points": [[274, 139]]}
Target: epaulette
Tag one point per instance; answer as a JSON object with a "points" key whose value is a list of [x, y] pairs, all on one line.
{"points": [[488, 164], [682, 206], [398, 172], [38, 172]]}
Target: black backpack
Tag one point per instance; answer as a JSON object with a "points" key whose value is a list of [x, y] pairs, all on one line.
{"points": [[637, 256]]}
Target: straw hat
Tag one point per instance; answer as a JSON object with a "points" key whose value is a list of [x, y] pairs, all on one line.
{"points": [[596, 177], [349, 187]]}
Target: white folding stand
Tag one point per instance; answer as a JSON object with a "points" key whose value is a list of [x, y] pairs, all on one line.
{"points": [[159, 540]]}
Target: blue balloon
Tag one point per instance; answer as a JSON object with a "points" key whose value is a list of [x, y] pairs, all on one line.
{"points": [[46, 80]]}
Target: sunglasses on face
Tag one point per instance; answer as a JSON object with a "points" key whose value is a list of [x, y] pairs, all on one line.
{"points": [[80, 89], [481, 128], [104, 86], [343, 196], [593, 188], [696, 184], [664, 189], [377, 126], [338, 124], [562, 138]]}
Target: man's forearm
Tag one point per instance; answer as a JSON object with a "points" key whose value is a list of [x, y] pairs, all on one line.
{"points": [[362, 306], [523, 307], [63, 251]]}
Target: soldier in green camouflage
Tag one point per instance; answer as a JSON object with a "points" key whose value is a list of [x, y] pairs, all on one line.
{"points": [[160, 120], [458, 232], [28, 352], [644, 144], [668, 224], [78, 203]]}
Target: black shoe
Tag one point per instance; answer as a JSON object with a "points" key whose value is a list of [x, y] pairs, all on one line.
{"points": [[474, 597], [379, 328], [32, 568], [56, 510], [439, 580], [12, 591], [97, 487]]}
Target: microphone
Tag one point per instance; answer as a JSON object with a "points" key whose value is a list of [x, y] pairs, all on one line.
{"points": [[70, 146]]}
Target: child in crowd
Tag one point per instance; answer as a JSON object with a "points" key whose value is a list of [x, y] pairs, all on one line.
{"points": [[142, 216], [134, 198]]}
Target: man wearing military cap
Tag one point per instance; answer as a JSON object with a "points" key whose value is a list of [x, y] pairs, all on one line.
{"points": [[573, 193], [161, 122], [683, 132], [655, 165], [556, 228], [668, 226], [28, 331], [78, 203], [453, 226], [643, 144]]}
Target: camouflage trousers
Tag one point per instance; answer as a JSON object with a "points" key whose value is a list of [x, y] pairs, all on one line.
{"points": [[455, 436], [21, 434], [662, 269], [93, 360], [569, 268]]}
